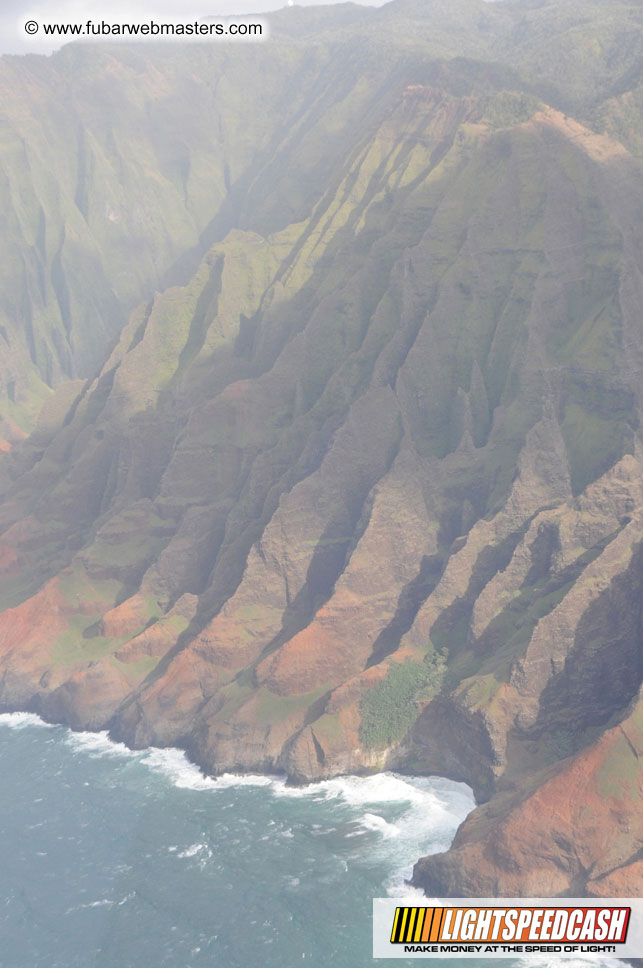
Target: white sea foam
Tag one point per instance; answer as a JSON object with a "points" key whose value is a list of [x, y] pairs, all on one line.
{"points": [[227, 780], [195, 849], [361, 791], [174, 764], [421, 814], [426, 812], [105, 902], [97, 744], [20, 720], [90, 904], [397, 886], [372, 821], [354, 790]]}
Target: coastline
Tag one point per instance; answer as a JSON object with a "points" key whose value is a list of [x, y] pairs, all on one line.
{"points": [[177, 759], [173, 764], [187, 750], [427, 798]]}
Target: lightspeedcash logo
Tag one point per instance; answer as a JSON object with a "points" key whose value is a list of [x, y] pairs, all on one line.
{"points": [[510, 926], [475, 928]]}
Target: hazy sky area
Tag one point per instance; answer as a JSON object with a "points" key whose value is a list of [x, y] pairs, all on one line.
{"points": [[14, 14]]}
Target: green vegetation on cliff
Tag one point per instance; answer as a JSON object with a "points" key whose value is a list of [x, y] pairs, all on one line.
{"points": [[390, 708]]}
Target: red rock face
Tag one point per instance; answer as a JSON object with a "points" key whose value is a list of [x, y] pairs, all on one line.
{"points": [[367, 491], [580, 830]]}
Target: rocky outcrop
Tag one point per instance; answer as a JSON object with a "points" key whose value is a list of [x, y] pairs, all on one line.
{"points": [[571, 829]]}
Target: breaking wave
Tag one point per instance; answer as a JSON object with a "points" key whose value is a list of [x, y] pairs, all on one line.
{"points": [[400, 817], [20, 720]]}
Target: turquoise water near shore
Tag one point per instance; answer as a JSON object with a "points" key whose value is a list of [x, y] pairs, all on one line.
{"points": [[113, 858]]}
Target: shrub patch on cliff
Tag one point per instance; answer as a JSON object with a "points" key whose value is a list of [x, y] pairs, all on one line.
{"points": [[389, 709]]}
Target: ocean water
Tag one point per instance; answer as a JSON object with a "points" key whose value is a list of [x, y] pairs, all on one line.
{"points": [[112, 859]]}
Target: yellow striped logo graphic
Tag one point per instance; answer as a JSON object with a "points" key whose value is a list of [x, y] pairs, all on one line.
{"points": [[417, 925]]}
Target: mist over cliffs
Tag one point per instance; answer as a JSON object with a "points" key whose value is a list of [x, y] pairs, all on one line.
{"points": [[321, 396]]}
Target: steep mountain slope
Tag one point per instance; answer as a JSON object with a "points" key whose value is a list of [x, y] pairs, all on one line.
{"points": [[121, 165], [367, 489], [101, 195]]}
